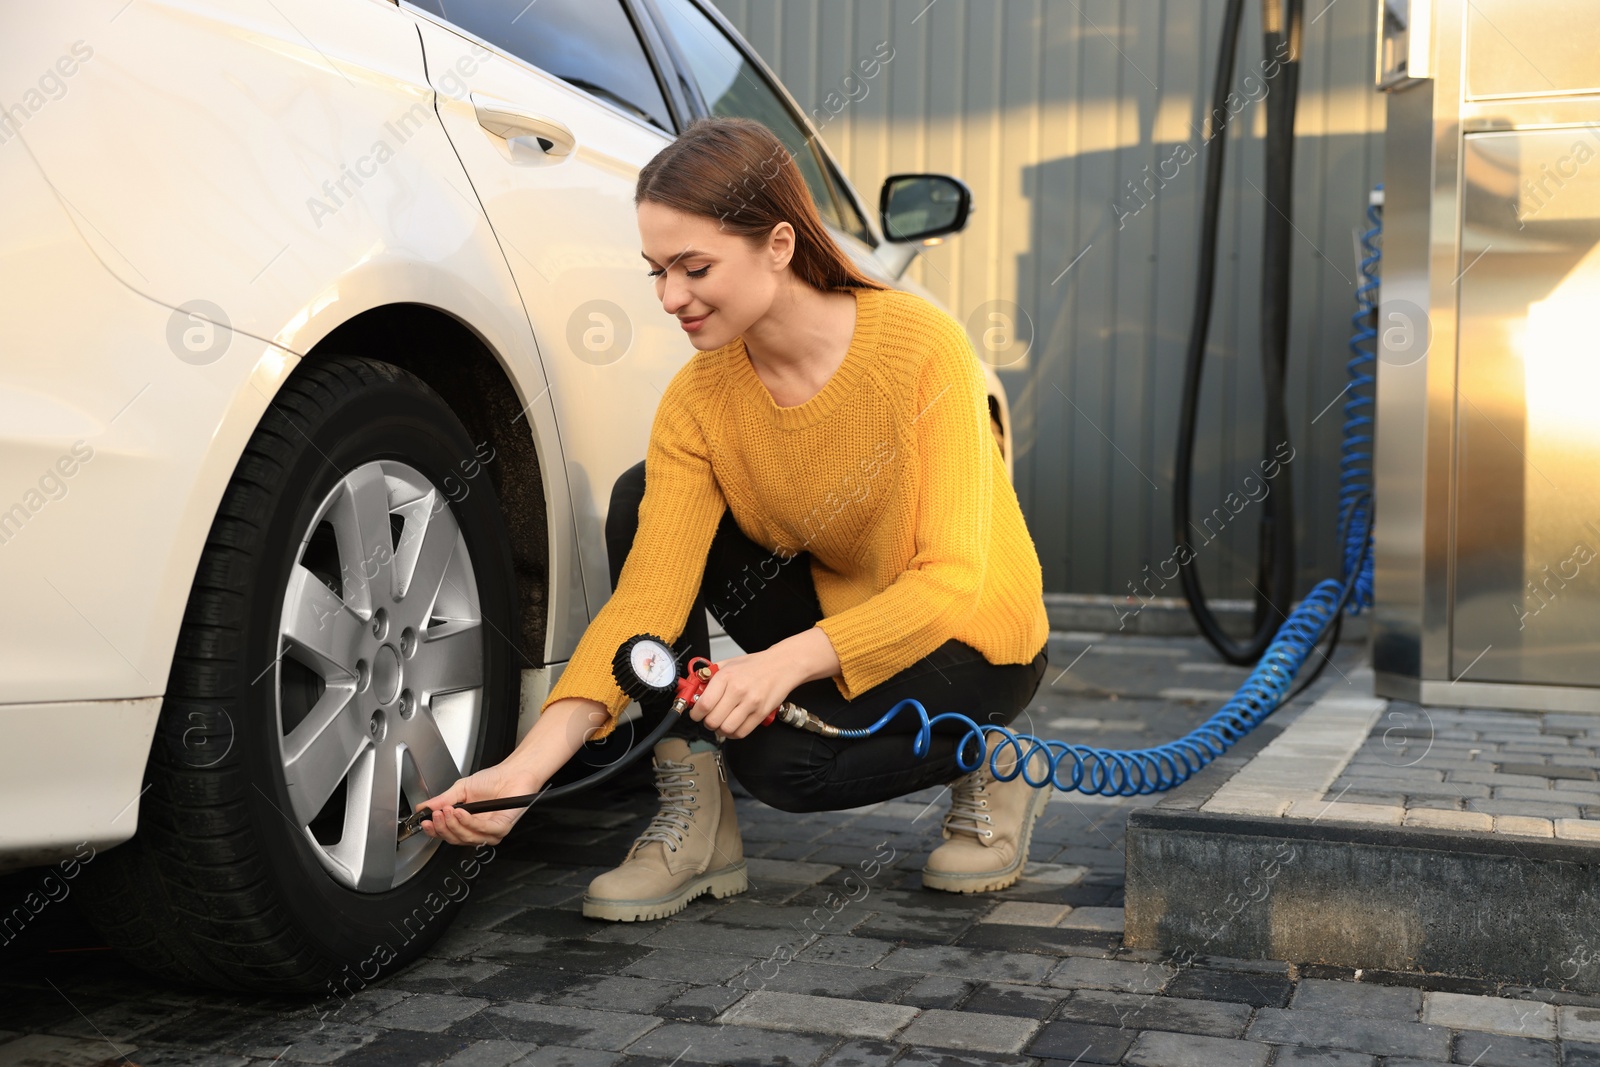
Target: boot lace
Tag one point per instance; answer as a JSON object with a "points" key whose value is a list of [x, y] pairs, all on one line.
{"points": [[969, 805], [677, 805]]}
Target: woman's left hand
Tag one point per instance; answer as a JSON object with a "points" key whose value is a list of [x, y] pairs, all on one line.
{"points": [[744, 690]]}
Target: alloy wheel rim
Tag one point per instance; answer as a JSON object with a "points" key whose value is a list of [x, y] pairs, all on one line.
{"points": [[379, 675]]}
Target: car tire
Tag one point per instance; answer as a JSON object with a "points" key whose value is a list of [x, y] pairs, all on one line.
{"points": [[228, 882]]}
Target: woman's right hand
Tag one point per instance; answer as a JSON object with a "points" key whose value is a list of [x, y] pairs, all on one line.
{"points": [[451, 824], [557, 734]]}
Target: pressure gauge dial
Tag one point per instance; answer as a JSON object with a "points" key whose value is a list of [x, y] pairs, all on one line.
{"points": [[644, 666]]}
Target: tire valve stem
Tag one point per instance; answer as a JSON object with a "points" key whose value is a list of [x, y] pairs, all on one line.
{"points": [[412, 823]]}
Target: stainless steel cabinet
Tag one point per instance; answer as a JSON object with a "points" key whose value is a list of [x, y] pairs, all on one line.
{"points": [[1488, 452]]}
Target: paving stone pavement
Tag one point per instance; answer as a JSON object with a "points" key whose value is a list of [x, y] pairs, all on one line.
{"points": [[1488, 770], [807, 968]]}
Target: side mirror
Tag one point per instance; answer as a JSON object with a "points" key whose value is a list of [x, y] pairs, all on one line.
{"points": [[914, 207]]}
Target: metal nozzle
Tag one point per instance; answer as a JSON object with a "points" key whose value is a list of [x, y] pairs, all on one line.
{"points": [[412, 823], [801, 719]]}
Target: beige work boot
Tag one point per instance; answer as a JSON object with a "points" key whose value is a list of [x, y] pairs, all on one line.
{"points": [[987, 829], [691, 847]]}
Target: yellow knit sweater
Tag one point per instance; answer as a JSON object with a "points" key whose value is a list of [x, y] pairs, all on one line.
{"points": [[889, 477]]}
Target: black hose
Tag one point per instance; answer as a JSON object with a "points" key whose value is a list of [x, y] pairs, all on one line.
{"points": [[1275, 563], [616, 766], [1277, 247]]}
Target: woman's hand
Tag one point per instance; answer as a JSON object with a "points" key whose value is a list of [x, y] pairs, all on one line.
{"points": [[486, 828], [557, 734], [742, 692], [747, 688]]}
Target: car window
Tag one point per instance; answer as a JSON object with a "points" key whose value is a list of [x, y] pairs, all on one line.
{"points": [[733, 86], [850, 219], [590, 44]]}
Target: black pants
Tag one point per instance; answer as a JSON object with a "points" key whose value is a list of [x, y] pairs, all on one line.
{"points": [[797, 771]]}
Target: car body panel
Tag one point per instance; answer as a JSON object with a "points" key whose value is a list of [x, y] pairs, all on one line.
{"points": [[106, 461], [72, 773]]}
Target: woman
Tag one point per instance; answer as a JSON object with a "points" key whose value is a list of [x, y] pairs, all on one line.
{"points": [[821, 475]]}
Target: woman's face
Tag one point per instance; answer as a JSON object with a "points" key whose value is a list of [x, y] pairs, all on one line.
{"points": [[709, 278]]}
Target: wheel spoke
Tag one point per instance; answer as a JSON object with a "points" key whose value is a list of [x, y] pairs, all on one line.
{"points": [[426, 548], [436, 767], [321, 629], [319, 751], [450, 658], [366, 545], [370, 823]]}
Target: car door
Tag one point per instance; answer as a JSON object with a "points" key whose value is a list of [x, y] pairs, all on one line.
{"points": [[553, 109]]}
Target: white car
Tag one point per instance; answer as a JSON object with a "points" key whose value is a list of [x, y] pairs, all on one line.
{"points": [[325, 335]]}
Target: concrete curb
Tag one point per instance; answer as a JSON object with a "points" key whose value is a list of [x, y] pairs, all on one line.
{"points": [[1393, 898]]}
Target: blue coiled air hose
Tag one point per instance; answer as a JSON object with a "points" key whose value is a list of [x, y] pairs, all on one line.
{"points": [[1355, 463], [1132, 772]]}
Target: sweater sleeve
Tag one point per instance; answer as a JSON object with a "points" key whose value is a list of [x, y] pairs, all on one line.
{"points": [[678, 517], [939, 589]]}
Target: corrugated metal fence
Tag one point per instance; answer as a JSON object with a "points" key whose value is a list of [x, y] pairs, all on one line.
{"points": [[1078, 124]]}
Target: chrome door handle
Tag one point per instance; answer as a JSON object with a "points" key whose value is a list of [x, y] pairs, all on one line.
{"points": [[505, 119]]}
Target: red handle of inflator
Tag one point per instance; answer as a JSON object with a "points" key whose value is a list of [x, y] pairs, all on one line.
{"points": [[692, 685]]}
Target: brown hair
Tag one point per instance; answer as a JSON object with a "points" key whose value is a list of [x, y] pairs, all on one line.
{"points": [[735, 170]]}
